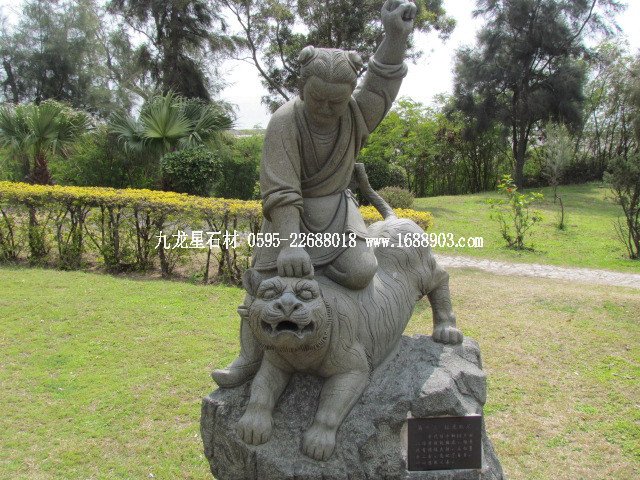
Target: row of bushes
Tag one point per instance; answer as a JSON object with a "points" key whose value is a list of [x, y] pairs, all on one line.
{"points": [[123, 227]]}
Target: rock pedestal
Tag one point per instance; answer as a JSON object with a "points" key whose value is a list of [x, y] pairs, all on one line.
{"points": [[423, 379]]}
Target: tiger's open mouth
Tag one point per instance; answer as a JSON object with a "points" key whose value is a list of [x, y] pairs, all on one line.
{"points": [[287, 327]]}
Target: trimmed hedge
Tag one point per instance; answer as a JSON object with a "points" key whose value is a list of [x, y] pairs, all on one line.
{"points": [[123, 226]]}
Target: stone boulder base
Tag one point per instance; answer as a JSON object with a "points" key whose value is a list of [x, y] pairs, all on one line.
{"points": [[423, 379]]}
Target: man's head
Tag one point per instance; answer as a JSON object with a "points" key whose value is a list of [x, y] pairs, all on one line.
{"points": [[327, 80]]}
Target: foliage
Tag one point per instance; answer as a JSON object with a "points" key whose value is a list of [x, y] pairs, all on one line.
{"points": [[99, 160], [378, 171], [271, 33], [483, 149], [406, 138], [10, 241], [624, 161], [179, 37], [168, 122], [558, 152], [432, 151], [513, 213], [34, 133], [10, 169], [624, 177], [122, 226], [610, 112], [397, 176], [240, 168], [527, 68], [56, 52], [192, 170], [422, 218], [397, 197]]}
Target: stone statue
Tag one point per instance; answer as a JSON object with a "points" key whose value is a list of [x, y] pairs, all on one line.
{"points": [[336, 311], [318, 326], [308, 161]]}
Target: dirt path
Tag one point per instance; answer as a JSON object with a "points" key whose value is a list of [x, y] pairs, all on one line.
{"points": [[581, 275]]}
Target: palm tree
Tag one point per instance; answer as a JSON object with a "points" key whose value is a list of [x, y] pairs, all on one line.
{"points": [[33, 133], [170, 122]]}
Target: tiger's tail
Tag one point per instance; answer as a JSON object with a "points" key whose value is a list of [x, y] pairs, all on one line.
{"points": [[362, 182]]}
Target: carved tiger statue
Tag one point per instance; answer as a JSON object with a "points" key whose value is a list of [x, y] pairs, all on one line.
{"points": [[318, 327]]}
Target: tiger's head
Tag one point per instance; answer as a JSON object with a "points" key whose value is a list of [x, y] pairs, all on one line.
{"points": [[288, 314]]}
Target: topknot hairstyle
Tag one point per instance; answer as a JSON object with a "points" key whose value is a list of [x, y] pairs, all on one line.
{"points": [[329, 64]]}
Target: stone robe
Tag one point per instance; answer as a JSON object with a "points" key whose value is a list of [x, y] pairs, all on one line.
{"points": [[293, 174]]}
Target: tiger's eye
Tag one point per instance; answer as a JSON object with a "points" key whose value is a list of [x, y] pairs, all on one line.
{"points": [[270, 294], [305, 294]]}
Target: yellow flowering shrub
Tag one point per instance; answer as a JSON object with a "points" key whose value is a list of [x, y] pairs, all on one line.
{"points": [[123, 223], [423, 219], [169, 202]]}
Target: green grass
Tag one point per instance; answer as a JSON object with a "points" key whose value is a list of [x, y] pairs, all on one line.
{"points": [[589, 241], [102, 377]]}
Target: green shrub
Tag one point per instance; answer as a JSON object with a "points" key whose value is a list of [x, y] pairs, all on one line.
{"points": [[383, 174], [123, 226], [240, 169], [397, 197], [192, 170], [397, 177], [513, 213], [377, 171], [11, 168], [98, 160]]}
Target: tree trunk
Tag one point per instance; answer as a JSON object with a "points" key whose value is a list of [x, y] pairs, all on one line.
{"points": [[11, 82], [41, 174], [520, 135]]}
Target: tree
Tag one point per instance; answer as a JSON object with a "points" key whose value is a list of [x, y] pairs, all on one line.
{"points": [[483, 146], [440, 150], [55, 52], [624, 168], [179, 39], [34, 133], [624, 177], [527, 67], [270, 31], [608, 127], [170, 122], [557, 155]]}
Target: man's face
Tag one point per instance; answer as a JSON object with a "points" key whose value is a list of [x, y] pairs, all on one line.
{"points": [[325, 102]]}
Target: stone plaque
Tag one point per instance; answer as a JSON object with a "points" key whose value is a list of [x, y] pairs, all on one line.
{"points": [[444, 443]]}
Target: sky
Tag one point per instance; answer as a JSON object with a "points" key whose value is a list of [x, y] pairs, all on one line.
{"points": [[431, 75]]}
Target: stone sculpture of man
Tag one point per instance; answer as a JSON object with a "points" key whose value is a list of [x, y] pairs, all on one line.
{"points": [[310, 149]]}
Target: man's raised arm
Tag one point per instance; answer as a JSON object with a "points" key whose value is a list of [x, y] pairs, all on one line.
{"points": [[386, 68]]}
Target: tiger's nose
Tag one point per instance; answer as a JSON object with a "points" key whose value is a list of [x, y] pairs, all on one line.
{"points": [[288, 304]]}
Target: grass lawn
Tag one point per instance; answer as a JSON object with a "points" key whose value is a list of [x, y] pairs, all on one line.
{"points": [[589, 241], [102, 377]]}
